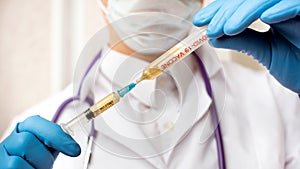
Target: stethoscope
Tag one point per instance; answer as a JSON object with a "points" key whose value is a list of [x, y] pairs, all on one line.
{"points": [[93, 132]]}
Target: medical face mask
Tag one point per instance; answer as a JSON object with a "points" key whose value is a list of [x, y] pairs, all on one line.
{"points": [[152, 26]]}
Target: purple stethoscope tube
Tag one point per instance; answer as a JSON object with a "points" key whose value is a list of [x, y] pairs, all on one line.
{"points": [[213, 108]]}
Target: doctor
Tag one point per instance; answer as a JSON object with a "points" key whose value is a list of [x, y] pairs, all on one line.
{"points": [[259, 121]]}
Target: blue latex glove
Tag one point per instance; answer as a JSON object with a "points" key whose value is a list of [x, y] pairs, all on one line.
{"points": [[278, 49], [35, 144]]}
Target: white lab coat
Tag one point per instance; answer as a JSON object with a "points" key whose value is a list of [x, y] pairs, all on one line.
{"points": [[260, 120]]}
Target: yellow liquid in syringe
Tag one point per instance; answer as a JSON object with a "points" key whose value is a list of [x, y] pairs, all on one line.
{"points": [[149, 74]]}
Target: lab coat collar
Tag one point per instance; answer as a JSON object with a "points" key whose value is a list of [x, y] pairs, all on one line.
{"points": [[210, 60], [216, 74]]}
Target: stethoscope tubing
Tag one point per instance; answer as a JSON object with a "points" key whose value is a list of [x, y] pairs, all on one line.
{"points": [[213, 108]]}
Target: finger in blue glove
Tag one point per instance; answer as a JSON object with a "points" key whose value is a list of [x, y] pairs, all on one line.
{"points": [[282, 11], [36, 143], [230, 17]]}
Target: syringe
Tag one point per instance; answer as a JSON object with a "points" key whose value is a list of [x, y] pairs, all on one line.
{"points": [[196, 39], [95, 110]]}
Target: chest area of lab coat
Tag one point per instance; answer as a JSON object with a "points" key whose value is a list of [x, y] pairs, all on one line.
{"points": [[249, 142], [251, 129]]}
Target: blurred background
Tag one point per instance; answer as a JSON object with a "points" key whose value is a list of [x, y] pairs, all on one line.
{"points": [[39, 45]]}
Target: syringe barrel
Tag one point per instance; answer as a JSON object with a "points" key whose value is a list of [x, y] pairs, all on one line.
{"points": [[98, 108], [196, 39], [105, 103], [77, 122]]}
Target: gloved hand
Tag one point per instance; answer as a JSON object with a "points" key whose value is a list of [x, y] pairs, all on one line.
{"points": [[278, 49], [35, 144]]}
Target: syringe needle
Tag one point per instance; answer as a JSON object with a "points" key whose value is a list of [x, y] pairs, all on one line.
{"points": [[95, 110], [122, 92]]}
